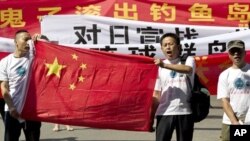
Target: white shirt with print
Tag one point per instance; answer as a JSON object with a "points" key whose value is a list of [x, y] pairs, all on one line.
{"points": [[175, 89], [235, 85], [16, 72]]}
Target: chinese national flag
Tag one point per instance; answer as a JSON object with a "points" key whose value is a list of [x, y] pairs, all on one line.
{"points": [[90, 88]]}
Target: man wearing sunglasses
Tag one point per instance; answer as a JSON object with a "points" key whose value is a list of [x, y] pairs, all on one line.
{"points": [[234, 89]]}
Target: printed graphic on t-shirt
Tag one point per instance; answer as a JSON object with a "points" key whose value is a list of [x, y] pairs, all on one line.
{"points": [[238, 83], [21, 71], [247, 83], [173, 74]]}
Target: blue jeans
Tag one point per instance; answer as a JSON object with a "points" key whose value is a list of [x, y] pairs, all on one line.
{"points": [[13, 129]]}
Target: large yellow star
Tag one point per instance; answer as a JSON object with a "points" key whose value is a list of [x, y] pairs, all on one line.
{"points": [[54, 68]]}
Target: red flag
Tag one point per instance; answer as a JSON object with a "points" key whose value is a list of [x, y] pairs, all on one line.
{"points": [[90, 88], [208, 68], [3, 54]]}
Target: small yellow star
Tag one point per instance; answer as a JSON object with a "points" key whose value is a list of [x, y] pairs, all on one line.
{"points": [[54, 68], [74, 56], [81, 78], [83, 66], [72, 86]]}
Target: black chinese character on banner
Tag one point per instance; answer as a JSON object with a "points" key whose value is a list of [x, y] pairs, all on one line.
{"points": [[86, 35], [149, 35], [188, 49], [146, 51], [119, 35], [187, 34], [216, 47], [106, 48]]}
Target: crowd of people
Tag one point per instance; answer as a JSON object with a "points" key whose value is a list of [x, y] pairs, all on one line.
{"points": [[171, 99]]}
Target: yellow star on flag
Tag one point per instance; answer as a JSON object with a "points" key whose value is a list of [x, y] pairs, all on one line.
{"points": [[74, 56], [83, 66], [54, 68], [72, 86], [81, 78]]}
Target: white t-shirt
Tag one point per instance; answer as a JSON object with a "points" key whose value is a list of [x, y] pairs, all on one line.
{"points": [[235, 85], [15, 71], [175, 89]]}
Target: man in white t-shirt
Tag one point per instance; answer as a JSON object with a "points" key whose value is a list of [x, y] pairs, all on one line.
{"points": [[14, 72], [234, 89], [173, 91]]}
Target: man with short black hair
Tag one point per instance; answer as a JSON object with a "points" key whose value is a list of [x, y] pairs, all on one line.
{"points": [[14, 72], [173, 91]]}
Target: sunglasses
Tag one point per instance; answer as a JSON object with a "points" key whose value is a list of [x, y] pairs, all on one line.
{"points": [[236, 50]]}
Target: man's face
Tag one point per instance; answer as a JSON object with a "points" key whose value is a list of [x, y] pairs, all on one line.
{"points": [[21, 42], [169, 48], [237, 56]]}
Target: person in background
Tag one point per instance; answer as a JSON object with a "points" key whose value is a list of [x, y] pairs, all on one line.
{"points": [[233, 89], [172, 92], [57, 128]]}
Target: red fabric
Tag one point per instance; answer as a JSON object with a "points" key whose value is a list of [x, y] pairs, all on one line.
{"points": [[209, 68], [116, 92], [3, 54]]}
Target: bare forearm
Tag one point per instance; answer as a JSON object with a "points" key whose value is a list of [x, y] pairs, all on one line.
{"points": [[6, 95], [156, 100], [8, 100], [175, 67], [229, 111], [178, 67], [154, 107]]}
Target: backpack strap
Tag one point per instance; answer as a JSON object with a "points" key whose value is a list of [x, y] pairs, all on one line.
{"points": [[189, 82], [183, 61]]}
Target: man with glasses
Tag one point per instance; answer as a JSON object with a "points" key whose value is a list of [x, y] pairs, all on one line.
{"points": [[234, 89]]}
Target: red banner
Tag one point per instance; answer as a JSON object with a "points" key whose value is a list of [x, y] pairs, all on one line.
{"points": [[15, 14], [90, 88]]}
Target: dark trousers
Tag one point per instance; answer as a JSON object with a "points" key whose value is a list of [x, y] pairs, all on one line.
{"points": [[183, 124], [2, 107], [13, 129]]}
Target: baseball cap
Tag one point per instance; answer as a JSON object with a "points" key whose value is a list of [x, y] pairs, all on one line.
{"points": [[236, 44]]}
